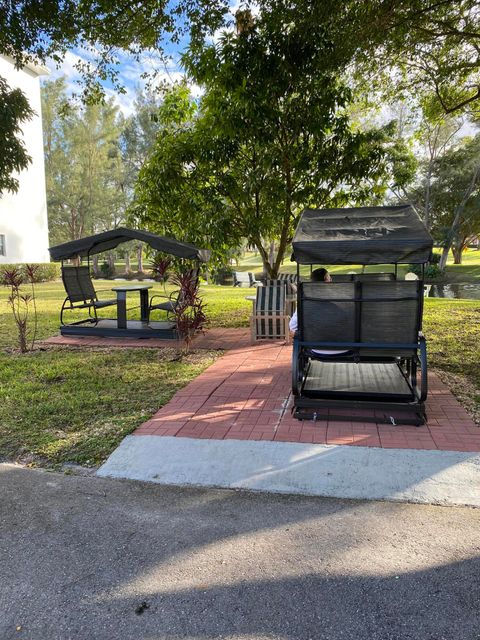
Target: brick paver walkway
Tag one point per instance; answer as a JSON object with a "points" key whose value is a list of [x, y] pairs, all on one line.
{"points": [[213, 339], [245, 395]]}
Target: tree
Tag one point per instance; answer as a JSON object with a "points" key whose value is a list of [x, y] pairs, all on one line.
{"points": [[137, 140], [456, 198], [40, 32], [14, 111], [83, 165], [258, 152], [432, 133], [139, 134]]}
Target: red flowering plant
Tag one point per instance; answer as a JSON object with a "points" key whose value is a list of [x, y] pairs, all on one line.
{"points": [[22, 303], [189, 309], [160, 266]]}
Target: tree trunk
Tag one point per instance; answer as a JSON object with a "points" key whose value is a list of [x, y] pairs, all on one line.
{"points": [[427, 194], [452, 234], [128, 268], [271, 252], [111, 262], [95, 266], [140, 258], [457, 251], [267, 267]]}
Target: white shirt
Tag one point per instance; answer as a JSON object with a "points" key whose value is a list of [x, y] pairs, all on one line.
{"points": [[293, 324]]}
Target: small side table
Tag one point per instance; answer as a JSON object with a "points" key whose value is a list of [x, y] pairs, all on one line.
{"points": [[122, 302]]}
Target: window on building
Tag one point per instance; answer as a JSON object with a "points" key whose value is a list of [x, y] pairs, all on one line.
{"points": [[3, 250]]}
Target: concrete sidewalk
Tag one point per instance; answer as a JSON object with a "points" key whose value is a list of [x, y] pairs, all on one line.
{"points": [[340, 471], [88, 558]]}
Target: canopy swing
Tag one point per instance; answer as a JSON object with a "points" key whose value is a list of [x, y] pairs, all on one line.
{"points": [[81, 293], [372, 321]]}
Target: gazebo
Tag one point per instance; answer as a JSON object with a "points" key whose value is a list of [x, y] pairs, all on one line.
{"points": [[81, 293]]}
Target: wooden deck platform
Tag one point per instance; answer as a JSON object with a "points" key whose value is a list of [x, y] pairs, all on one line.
{"points": [[135, 329]]}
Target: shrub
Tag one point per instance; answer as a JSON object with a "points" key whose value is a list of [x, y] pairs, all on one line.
{"points": [[43, 271], [432, 271], [189, 309], [222, 275], [160, 266], [106, 270], [436, 257]]}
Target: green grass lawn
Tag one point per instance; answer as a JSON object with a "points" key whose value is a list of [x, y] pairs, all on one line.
{"points": [[75, 405], [452, 329]]}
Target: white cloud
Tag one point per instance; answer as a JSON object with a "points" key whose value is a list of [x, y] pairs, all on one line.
{"points": [[165, 71]]}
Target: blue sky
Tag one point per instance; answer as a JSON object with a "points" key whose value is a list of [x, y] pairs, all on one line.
{"points": [[130, 70]]}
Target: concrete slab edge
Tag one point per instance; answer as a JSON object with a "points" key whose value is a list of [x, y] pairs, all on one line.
{"points": [[405, 475]]}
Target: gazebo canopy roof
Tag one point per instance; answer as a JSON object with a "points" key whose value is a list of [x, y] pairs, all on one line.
{"points": [[111, 239], [365, 235]]}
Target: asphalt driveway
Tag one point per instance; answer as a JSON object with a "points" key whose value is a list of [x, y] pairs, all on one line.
{"points": [[92, 558]]}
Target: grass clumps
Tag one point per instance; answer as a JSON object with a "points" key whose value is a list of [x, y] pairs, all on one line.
{"points": [[64, 405]]}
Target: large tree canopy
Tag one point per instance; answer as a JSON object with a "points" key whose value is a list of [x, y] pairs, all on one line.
{"points": [[431, 45], [438, 39], [423, 43], [259, 151], [37, 31]]}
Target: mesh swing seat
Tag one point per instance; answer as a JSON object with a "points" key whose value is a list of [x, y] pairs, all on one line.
{"points": [[81, 294], [359, 352], [378, 324], [269, 320]]}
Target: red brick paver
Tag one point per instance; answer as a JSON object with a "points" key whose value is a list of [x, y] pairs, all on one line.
{"points": [[213, 339], [245, 395]]}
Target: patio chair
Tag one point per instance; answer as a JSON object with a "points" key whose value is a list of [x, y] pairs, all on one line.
{"points": [[81, 294], [290, 293], [241, 279], [269, 320], [170, 302], [291, 282], [245, 279], [426, 287], [288, 277]]}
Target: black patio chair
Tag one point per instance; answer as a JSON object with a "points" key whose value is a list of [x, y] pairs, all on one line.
{"points": [[377, 325], [170, 302], [81, 294]]}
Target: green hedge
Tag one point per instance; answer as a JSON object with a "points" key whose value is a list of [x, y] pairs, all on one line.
{"points": [[46, 272], [432, 271]]}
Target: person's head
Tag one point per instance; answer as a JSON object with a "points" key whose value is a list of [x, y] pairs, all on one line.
{"points": [[320, 275]]}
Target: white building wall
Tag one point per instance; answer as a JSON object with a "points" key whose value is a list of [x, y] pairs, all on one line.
{"points": [[23, 215]]}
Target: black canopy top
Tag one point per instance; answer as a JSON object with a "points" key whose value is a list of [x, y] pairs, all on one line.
{"points": [[111, 239], [365, 235]]}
